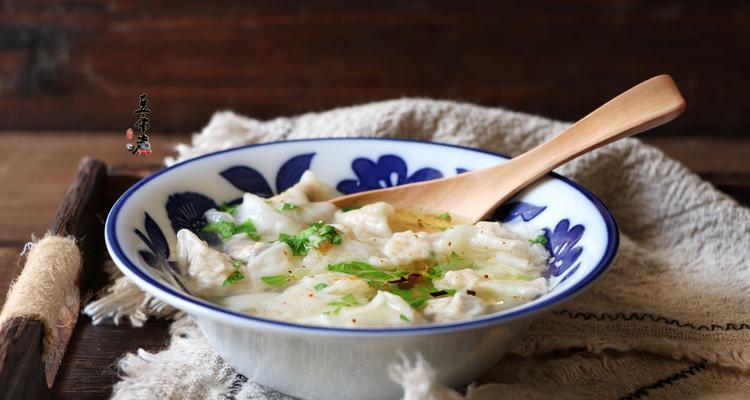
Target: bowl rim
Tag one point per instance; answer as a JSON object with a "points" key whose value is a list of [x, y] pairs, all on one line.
{"points": [[202, 307]]}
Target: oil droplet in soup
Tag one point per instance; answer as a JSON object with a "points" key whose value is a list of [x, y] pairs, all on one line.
{"points": [[416, 220]]}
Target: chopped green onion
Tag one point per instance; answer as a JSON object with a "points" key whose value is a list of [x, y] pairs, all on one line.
{"points": [[320, 286], [404, 317], [350, 208], [445, 217], [237, 263]]}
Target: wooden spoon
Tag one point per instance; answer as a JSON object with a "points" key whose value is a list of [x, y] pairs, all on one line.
{"points": [[473, 196]]}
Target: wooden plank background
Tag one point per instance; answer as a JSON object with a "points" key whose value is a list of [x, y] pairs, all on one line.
{"points": [[80, 65]]}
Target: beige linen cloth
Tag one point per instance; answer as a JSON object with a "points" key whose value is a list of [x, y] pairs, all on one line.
{"points": [[671, 319]]}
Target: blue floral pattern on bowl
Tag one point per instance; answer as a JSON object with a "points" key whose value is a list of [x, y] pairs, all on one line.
{"points": [[561, 242], [250, 180], [157, 255], [388, 171], [185, 209]]}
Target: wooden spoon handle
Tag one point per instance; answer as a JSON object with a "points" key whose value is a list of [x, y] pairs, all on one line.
{"points": [[645, 106]]}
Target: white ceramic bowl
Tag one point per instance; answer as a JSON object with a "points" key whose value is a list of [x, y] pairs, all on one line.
{"points": [[348, 363]]}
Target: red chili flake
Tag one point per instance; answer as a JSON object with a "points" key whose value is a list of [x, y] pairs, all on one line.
{"points": [[354, 320], [310, 295], [471, 293], [486, 276]]}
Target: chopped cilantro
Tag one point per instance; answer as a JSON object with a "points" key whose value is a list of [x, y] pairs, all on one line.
{"points": [[320, 286], [248, 228], [349, 208], [541, 239], [227, 208], [296, 243], [346, 301], [437, 271], [237, 263], [404, 317], [415, 296], [288, 206], [226, 229], [360, 269], [311, 238], [234, 277], [222, 228], [275, 280], [414, 287], [445, 217]]}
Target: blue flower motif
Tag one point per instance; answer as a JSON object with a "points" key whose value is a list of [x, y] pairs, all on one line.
{"points": [[507, 212], [292, 170], [388, 171], [250, 180], [153, 239], [570, 273], [157, 257], [561, 244], [185, 210]]}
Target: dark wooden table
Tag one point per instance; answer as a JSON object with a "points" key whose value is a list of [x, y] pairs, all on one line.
{"points": [[36, 173], [80, 65]]}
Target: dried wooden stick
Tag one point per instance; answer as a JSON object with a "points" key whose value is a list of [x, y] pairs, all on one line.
{"points": [[27, 366]]}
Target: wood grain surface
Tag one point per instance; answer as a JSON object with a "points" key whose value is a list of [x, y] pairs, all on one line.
{"points": [[80, 65], [36, 173], [79, 216]]}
